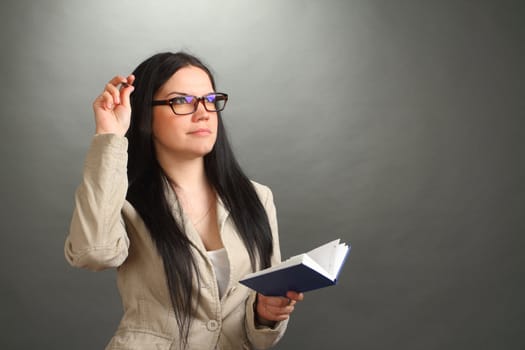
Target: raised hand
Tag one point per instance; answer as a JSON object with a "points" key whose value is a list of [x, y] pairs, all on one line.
{"points": [[112, 108]]}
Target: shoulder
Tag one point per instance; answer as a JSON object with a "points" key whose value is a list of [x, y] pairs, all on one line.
{"points": [[264, 192]]}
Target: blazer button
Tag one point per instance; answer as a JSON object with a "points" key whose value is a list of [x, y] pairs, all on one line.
{"points": [[212, 325]]}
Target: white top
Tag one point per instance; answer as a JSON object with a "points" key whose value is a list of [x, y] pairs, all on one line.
{"points": [[221, 266]]}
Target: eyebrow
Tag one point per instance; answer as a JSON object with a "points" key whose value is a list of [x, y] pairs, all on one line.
{"points": [[177, 93], [185, 94]]}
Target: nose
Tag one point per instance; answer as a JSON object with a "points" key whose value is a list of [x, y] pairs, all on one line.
{"points": [[201, 113]]}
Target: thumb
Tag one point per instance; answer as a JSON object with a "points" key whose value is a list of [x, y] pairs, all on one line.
{"points": [[126, 90], [125, 95]]}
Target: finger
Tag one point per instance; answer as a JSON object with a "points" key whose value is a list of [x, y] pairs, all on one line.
{"points": [[270, 315], [280, 311], [114, 92], [276, 305], [125, 92], [274, 301], [113, 84], [105, 100], [117, 80], [295, 296], [130, 79]]}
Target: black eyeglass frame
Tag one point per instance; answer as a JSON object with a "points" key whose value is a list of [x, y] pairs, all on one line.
{"points": [[170, 102]]}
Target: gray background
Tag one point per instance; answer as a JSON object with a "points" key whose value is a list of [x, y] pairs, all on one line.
{"points": [[397, 126]]}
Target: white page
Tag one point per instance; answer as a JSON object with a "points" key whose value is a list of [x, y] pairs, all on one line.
{"points": [[325, 255], [342, 250]]}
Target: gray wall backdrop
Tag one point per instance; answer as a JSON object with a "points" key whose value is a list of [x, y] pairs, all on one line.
{"points": [[397, 126]]}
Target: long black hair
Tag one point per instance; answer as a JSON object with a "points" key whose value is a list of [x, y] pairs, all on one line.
{"points": [[147, 181]]}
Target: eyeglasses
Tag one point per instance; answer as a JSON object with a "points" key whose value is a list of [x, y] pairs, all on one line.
{"points": [[188, 104]]}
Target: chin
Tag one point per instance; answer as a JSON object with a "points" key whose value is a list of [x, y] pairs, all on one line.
{"points": [[202, 151], [206, 152]]}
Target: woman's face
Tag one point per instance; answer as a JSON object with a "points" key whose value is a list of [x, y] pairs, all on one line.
{"points": [[189, 136]]}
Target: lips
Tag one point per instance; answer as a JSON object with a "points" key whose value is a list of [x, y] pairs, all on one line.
{"points": [[200, 131]]}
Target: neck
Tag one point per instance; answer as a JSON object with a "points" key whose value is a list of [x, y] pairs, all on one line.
{"points": [[193, 190], [187, 175]]}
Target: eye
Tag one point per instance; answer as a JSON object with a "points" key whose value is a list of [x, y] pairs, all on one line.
{"points": [[182, 100], [211, 98]]}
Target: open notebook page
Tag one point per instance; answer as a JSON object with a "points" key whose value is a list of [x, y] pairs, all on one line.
{"points": [[325, 256]]}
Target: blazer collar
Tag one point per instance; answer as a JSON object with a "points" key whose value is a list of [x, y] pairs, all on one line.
{"points": [[182, 219]]}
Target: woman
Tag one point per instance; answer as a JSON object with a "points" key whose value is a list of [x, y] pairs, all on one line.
{"points": [[176, 215]]}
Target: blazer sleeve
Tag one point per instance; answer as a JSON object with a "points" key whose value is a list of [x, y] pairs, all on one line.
{"points": [[263, 337], [97, 237]]}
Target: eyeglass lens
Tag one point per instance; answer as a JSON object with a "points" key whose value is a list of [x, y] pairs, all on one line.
{"points": [[188, 104]]}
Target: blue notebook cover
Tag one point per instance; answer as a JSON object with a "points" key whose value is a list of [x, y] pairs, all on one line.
{"points": [[299, 278]]}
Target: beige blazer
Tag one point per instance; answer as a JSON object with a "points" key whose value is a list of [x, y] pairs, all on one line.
{"points": [[106, 231]]}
